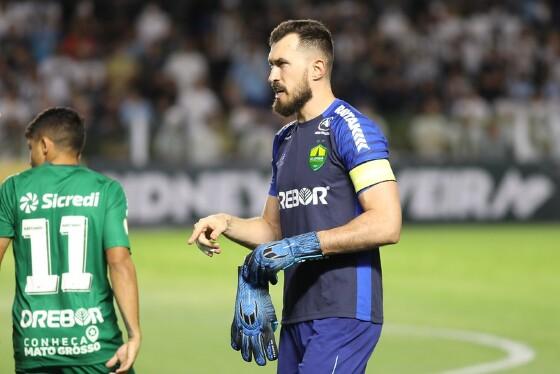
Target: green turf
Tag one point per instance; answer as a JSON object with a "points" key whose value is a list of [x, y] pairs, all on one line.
{"points": [[496, 279]]}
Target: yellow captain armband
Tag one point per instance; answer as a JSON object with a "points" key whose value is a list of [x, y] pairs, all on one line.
{"points": [[370, 173]]}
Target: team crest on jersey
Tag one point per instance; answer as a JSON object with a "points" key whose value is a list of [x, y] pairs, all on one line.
{"points": [[324, 126], [28, 202], [317, 157]]}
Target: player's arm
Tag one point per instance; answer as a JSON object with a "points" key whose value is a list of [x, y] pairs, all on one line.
{"points": [[122, 274], [4, 244], [378, 225], [375, 184], [248, 232], [125, 287]]}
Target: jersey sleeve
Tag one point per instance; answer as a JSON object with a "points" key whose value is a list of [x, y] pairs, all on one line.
{"points": [[363, 150], [7, 206], [115, 230]]}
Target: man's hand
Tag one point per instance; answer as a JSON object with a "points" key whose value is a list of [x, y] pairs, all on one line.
{"points": [[268, 259], [125, 356], [206, 232], [254, 323], [208, 251]]}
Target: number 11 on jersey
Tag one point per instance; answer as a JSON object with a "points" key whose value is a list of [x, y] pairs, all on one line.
{"points": [[41, 280]]}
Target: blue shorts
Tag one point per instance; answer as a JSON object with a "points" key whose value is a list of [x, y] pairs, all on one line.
{"points": [[330, 345]]}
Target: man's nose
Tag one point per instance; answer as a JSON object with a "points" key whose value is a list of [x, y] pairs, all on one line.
{"points": [[273, 76]]}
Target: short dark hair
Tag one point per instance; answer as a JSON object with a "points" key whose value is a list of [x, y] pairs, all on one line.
{"points": [[311, 33], [62, 125]]}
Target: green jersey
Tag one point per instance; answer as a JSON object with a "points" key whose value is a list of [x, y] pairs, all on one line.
{"points": [[62, 218]]}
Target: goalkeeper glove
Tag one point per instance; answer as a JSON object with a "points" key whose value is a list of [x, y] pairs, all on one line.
{"points": [[254, 323], [267, 259]]}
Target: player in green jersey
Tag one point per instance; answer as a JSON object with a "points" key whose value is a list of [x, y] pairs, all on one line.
{"points": [[69, 231]]}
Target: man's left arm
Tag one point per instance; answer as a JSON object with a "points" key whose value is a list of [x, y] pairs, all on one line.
{"points": [[4, 244], [379, 224], [123, 275], [125, 287]]}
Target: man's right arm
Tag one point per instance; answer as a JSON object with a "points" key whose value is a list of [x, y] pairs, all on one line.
{"points": [[248, 232], [7, 202], [125, 287]]}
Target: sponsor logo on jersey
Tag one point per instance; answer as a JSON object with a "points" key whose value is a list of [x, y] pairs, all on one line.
{"points": [[317, 157], [304, 196], [73, 346], [28, 202], [53, 200], [65, 345], [60, 318], [324, 127], [354, 126], [92, 333]]}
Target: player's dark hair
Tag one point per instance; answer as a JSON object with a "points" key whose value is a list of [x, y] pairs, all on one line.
{"points": [[62, 125], [311, 33]]}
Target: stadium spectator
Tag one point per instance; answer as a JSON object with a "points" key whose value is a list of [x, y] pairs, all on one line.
{"points": [[429, 131], [136, 113], [186, 66]]}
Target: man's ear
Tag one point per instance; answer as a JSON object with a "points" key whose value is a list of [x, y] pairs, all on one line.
{"points": [[46, 144], [319, 69]]}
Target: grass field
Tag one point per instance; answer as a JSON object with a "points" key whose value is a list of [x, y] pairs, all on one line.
{"points": [[497, 279]]}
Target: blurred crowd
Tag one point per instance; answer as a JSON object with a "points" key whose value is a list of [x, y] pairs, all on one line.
{"points": [[185, 82]]}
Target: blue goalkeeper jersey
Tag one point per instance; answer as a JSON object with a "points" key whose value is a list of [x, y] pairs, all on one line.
{"points": [[315, 176]]}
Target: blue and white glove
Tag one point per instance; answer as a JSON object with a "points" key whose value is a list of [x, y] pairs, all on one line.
{"points": [[267, 259], [254, 323]]}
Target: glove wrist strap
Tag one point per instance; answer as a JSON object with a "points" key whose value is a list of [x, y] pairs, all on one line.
{"points": [[306, 247]]}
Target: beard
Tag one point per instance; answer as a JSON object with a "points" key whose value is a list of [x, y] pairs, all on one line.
{"points": [[300, 96]]}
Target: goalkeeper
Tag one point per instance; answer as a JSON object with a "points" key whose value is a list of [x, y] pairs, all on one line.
{"points": [[333, 201]]}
